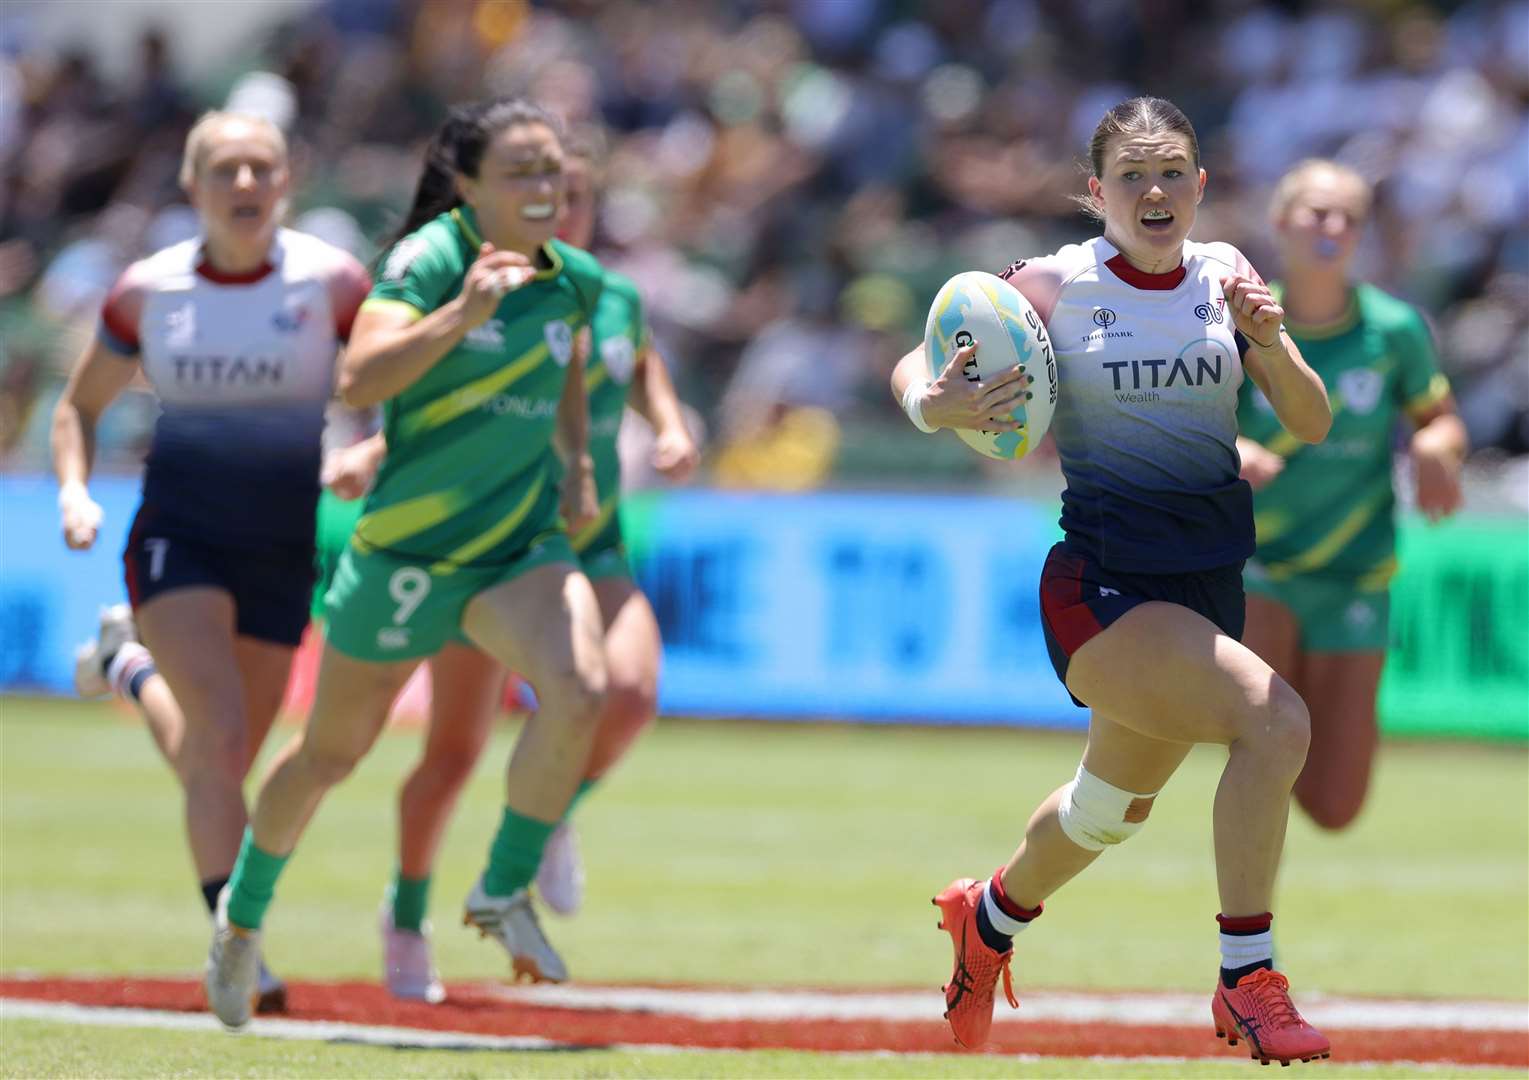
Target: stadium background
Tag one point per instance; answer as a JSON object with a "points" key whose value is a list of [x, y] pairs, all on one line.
{"points": [[789, 183]]}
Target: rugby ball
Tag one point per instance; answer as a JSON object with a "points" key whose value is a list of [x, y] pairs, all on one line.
{"points": [[980, 307]]}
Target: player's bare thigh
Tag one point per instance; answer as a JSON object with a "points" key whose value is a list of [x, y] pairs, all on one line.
{"points": [[350, 706], [544, 624], [190, 633], [264, 667], [1128, 759], [632, 644], [466, 687], [1274, 633], [1169, 673]]}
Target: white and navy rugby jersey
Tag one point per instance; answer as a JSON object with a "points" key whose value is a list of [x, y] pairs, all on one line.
{"points": [[243, 366], [1148, 368]]}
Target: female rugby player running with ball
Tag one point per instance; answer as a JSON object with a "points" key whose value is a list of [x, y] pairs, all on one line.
{"points": [[1318, 590], [1141, 602], [468, 342], [237, 331]]}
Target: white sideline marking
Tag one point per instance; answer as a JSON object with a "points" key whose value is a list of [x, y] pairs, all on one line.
{"points": [[417, 1038], [317, 1030], [1136, 1010]]}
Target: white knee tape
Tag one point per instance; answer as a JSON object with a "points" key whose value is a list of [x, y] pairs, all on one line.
{"points": [[1095, 815]]}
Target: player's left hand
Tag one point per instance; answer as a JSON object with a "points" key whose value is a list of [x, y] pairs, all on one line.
{"points": [[1436, 474], [1254, 310], [79, 516], [349, 472], [675, 454], [580, 497]]}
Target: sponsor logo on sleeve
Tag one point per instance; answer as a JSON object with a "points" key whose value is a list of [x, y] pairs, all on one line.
{"points": [[404, 253]]}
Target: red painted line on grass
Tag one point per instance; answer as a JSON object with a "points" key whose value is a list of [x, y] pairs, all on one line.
{"points": [[481, 1010]]}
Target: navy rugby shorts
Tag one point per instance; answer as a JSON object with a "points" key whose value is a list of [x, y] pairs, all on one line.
{"points": [[1079, 599], [271, 586]]}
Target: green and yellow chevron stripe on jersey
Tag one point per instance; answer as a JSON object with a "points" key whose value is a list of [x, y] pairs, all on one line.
{"points": [[1284, 444], [1379, 577], [1438, 390], [466, 398], [386, 527], [469, 396], [1322, 552], [495, 533], [586, 536], [594, 377], [1271, 525], [402, 307]]}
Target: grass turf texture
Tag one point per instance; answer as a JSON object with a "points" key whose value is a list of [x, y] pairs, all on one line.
{"points": [[42, 1049], [749, 854]]}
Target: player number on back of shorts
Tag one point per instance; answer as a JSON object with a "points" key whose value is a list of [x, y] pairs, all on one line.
{"points": [[408, 588], [157, 547]]}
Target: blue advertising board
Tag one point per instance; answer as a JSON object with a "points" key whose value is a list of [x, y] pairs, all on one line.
{"points": [[49, 595], [865, 606], [873, 607]]}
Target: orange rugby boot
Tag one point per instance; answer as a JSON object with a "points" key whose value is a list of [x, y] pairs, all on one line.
{"points": [[1259, 1010], [969, 994]]}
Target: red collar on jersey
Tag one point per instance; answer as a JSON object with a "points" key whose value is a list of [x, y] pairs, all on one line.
{"points": [[221, 277], [1140, 279]]}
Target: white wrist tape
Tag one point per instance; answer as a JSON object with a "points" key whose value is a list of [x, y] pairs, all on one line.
{"points": [[913, 404], [70, 492]]}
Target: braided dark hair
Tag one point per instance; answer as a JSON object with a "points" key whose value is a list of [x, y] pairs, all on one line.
{"points": [[457, 148]]}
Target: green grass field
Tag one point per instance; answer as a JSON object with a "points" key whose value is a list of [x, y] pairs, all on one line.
{"points": [[750, 854], [37, 1049]]}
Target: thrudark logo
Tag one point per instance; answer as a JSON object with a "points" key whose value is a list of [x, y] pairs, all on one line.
{"points": [[1104, 317]]}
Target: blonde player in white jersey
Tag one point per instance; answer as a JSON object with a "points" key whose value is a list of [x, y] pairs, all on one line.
{"points": [[238, 332], [1142, 602]]}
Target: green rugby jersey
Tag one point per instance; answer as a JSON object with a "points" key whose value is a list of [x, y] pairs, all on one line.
{"points": [[620, 335], [470, 463], [1331, 510]]}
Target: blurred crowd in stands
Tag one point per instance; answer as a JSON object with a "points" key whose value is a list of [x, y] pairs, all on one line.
{"points": [[789, 181]]}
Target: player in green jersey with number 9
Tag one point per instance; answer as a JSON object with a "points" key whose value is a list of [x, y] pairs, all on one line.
{"points": [[468, 343], [624, 366], [1317, 588], [466, 685]]}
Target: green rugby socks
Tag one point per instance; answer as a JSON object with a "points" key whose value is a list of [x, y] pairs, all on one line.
{"points": [[410, 898], [253, 883], [516, 853]]}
